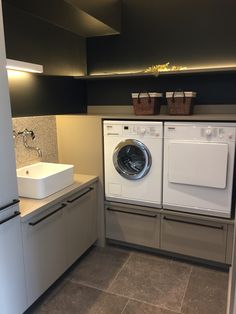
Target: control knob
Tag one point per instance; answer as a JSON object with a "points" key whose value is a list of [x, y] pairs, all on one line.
{"points": [[142, 131], [208, 132]]}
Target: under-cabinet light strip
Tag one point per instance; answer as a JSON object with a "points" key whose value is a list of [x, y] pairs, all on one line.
{"points": [[24, 66]]}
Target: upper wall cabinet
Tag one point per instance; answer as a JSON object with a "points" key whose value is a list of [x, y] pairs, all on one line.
{"points": [[98, 18]]}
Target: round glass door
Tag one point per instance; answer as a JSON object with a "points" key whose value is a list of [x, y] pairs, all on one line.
{"points": [[132, 159]]}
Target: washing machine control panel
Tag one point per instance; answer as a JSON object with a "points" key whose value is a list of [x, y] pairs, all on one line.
{"points": [[144, 131]]}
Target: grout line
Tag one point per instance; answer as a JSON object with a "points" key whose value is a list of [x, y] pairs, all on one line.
{"points": [[101, 289], [190, 273], [85, 284], [159, 306], [125, 306], [119, 271]]}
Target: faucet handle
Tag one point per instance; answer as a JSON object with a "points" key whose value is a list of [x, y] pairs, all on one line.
{"points": [[32, 135], [14, 134], [29, 132]]}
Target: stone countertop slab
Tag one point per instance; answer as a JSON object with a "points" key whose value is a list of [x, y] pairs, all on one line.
{"points": [[200, 117], [164, 117], [29, 206]]}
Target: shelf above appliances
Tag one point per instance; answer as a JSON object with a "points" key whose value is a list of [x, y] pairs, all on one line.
{"points": [[161, 73]]}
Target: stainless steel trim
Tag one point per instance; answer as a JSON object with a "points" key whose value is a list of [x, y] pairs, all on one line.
{"points": [[146, 153]]}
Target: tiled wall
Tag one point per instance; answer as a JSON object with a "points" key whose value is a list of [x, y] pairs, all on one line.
{"points": [[44, 128]]}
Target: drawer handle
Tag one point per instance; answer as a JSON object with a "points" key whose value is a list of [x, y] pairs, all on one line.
{"points": [[193, 223], [9, 218], [131, 213], [10, 204], [45, 217], [77, 197]]}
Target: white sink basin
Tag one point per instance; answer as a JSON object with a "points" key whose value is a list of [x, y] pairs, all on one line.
{"points": [[43, 179]]}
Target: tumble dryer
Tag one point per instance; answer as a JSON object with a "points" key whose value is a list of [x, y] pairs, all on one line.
{"points": [[199, 167], [133, 162]]}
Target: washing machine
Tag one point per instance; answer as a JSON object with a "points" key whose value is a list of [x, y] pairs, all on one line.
{"points": [[199, 167], [133, 162]]}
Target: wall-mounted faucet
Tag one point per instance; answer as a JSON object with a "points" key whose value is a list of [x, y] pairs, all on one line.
{"points": [[25, 133]]}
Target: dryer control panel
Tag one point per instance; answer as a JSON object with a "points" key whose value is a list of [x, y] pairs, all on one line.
{"points": [[219, 132]]}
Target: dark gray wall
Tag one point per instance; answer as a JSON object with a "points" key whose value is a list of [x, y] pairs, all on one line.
{"points": [[182, 32], [152, 32], [31, 39], [33, 94], [211, 88], [107, 11], [61, 53]]}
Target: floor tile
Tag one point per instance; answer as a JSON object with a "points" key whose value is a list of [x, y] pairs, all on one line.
{"points": [[134, 307], [157, 281], [206, 292], [99, 267], [74, 298]]}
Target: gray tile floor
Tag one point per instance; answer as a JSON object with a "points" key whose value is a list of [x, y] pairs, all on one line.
{"points": [[114, 280]]}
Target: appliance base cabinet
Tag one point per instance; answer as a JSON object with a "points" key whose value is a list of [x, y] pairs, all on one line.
{"points": [[194, 237], [133, 226], [44, 243], [81, 222]]}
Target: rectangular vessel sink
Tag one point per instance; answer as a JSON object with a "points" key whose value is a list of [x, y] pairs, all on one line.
{"points": [[43, 179]]}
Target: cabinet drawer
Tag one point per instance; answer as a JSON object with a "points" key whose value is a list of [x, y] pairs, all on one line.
{"points": [[81, 223], [194, 237], [137, 227], [44, 249]]}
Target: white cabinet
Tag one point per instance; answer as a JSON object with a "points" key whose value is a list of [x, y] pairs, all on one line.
{"points": [[56, 237], [8, 184], [81, 222], [12, 287], [44, 250], [12, 281]]}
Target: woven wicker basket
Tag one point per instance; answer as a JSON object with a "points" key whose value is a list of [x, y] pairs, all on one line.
{"points": [[146, 103], [180, 102]]}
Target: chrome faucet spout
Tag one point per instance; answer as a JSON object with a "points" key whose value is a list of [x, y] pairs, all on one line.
{"points": [[39, 152], [25, 135]]}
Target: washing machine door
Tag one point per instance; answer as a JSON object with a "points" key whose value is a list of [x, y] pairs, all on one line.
{"points": [[132, 159]]}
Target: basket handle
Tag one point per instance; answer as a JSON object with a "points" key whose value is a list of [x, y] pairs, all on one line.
{"points": [[149, 97], [176, 91]]}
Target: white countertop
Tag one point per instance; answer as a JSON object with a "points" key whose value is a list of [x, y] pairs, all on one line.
{"points": [[28, 206]]}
